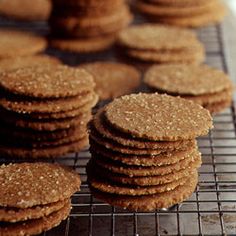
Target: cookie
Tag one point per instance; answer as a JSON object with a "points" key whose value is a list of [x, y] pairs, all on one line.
{"points": [[26, 11], [113, 79], [132, 171], [180, 3], [216, 15], [108, 187], [22, 105], [156, 37], [21, 178], [165, 158], [90, 26], [35, 60], [150, 202], [172, 11], [85, 3], [14, 215], [19, 43], [38, 226], [43, 152], [193, 55], [176, 119], [48, 125], [102, 127], [187, 79], [47, 82], [219, 106], [148, 180], [81, 45]]}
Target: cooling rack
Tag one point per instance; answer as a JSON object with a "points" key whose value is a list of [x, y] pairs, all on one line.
{"points": [[212, 208]]}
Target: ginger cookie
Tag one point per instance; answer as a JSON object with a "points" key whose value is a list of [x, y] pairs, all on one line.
{"points": [[113, 79], [150, 202], [81, 45], [176, 119], [26, 11], [19, 43], [102, 127], [165, 158], [156, 37], [24, 105], [27, 61], [37, 226], [107, 187], [172, 11], [46, 82], [132, 171], [14, 215], [43, 152], [21, 178], [50, 124]]}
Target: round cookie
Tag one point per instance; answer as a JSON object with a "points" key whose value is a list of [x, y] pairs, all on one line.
{"points": [[181, 3], [101, 126], [132, 171], [218, 107], [172, 11], [44, 152], [94, 44], [113, 79], [19, 43], [86, 3], [176, 119], [107, 187], [193, 55], [27, 61], [165, 158], [25, 10], [47, 82], [150, 202], [29, 106], [14, 215], [156, 37], [37, 226], [187, 79], [21, 178], [146, 181]]}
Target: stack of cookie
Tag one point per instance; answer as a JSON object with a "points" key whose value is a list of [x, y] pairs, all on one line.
{"points": [[187, 13], [152, 43], [144, 153], [202, 84], [87, 26], [45, 110], [34, 198]]}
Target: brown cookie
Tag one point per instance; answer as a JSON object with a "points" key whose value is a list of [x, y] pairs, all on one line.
{"points": [[25, 10], [19, 43], [218, 107], [156, 37], [48, 125], [131, 171], [113, 79], [176, 119], [85, 3], [37, 226], [101, 126], [90, 26], [187, 79], [146, 181], [19, 62], [43, 152], [47, 82], [14, 215], [24, 105], [165, 158], [108, 187], [150, 202], [180, 3], [94, 44], [22, 178], [216, 15]]}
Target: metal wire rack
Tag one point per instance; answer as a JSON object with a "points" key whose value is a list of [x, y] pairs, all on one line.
{"points": [[212, 208]]}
